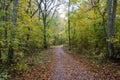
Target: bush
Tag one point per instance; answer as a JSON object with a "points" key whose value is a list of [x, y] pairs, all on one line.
{"points": [[3, 75], [19, 64]]}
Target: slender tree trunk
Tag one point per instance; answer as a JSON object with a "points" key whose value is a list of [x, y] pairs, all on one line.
{"points": [[29, 12], [6, 18], [6, 37], [15, 5], [29, 29], [45, 25], [114, 13], [10, 54], [0, 57], [69, 36], [114, 17], [105, 32], [11, 49], [111, 23], [110, 29]]}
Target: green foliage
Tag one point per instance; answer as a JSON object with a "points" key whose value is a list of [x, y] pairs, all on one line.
{"points": [[118, 72], [19, 64], [3, 75], [18, 67], [88, 31]]}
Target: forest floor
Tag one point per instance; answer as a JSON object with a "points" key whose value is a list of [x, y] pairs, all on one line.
{"points": [[56, 64]]}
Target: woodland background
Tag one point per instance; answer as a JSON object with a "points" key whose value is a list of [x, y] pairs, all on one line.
{"points": [[27, 27]]}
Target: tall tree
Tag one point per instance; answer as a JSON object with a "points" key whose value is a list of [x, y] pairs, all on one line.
{"points": [[4, 18], [69, 38], [112, 5], [11, 47], [47, 8]]}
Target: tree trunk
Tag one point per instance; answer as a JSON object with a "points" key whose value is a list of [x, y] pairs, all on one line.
{"points": [[69, 37], [110, 29], [45, 25], [11, 49], [114, 12], [111, 23], [10, 54], [29, 12], [15, 4], [114, 17], [0, 56]]}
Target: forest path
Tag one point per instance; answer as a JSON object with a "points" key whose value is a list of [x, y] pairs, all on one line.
{"points": [[65, 67], [56, 64]]}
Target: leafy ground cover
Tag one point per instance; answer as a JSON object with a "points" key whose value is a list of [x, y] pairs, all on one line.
{"points": [[57, 63], [37, 67], [99, 70]]}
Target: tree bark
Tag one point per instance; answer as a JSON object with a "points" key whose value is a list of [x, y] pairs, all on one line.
{"points": [[45, 25], [69, 36], [114, 18], [111, 23], [11, 49], [114, 13], [10, 54], [0, 56], [110, 29]]}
